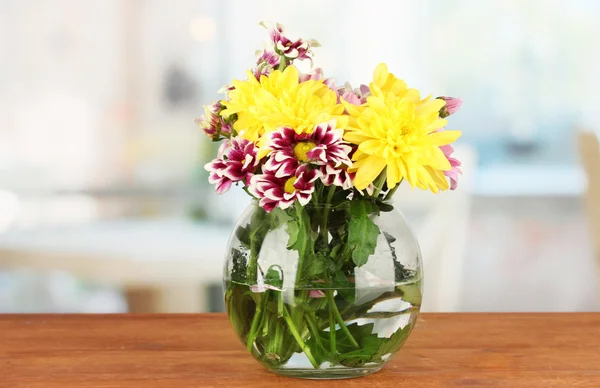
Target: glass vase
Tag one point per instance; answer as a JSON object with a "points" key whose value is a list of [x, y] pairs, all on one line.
{"points": [[323, 292]]}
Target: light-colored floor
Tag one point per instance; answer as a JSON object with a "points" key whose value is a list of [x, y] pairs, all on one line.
{"points": [[530, 254]]}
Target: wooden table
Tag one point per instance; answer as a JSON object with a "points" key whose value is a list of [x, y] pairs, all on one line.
{"points": [[177, 351]]}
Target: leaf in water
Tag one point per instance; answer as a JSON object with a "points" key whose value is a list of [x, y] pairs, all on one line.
{"points": [[411, 293], [238, 272], [369, 345], [274, 276], [318, 265], [335, 251], [395, 342], [343, 286]]}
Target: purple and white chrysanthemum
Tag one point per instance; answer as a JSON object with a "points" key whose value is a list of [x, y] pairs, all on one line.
{"points": [[267, 62], [290, 49], [336, 176], [212, 123], [236, 162], [354, 96], [290, 149], [282, 192]]}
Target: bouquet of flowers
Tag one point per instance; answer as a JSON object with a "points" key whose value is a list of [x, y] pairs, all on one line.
{"points": [[322, 162]]}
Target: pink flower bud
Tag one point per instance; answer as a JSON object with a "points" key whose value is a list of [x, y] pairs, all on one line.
{"points": [[452, 105]]}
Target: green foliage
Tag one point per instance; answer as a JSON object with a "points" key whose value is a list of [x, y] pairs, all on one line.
{"points": [[298, 229], [243, 234], [394, 343], [371, 347], [238, 272], [362, 231], [411, 293], [274, 276]]}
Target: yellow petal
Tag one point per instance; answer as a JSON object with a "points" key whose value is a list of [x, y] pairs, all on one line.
{"points": [[393, 174], [370, 146], [438, 160], [443, 137], [380, 74], [353, 110], [367, 170], [356, 137]]}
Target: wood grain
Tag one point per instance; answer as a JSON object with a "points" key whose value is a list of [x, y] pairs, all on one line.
{"points": [[177, 351]]}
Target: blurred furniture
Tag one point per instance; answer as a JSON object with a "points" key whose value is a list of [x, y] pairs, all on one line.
{"points": [[444, 350], [161, 265], [589, 147], [442, 231]]}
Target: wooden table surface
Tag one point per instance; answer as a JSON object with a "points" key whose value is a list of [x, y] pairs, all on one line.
{"points": [[178, 351]]}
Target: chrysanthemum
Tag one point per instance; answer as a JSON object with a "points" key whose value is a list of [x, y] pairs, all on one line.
{"points": [[281, 100], [289, 149], [452, 174], [267, 62], [451, 107], [356, 96], [237, 161], [396, 131], [318, 75], [336, 176], [283, 192], [211, 122], [290, 49]]}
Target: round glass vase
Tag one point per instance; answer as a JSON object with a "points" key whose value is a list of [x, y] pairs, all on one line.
{"points": [[323, 292]]}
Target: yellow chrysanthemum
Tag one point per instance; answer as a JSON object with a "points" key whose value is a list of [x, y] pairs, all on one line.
{"points": [[396, 131], [280, 100]]}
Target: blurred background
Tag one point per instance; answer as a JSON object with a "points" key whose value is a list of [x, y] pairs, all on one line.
{"points": [[105, 205]]}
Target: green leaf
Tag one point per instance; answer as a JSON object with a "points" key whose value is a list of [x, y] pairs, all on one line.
{"points": [[384, 206], [274, 276], [292, 230], [343, 286], [411, 293], [369, 345], [361, 207], [318, 265], [362, 232], [395, 342], [243, 234], [336, 250], [299, 231], [238, 272], [390, 239]]}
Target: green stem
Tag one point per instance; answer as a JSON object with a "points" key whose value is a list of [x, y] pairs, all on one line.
{"points": [[302, 224], [282, 62], [332, 340], [333, 309], [354, 312], [314, 331], [388, 314], [379, 182], [305, 348], [392, 191], [280, 304], [325, 219], [255, 243], [256, 320]]}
